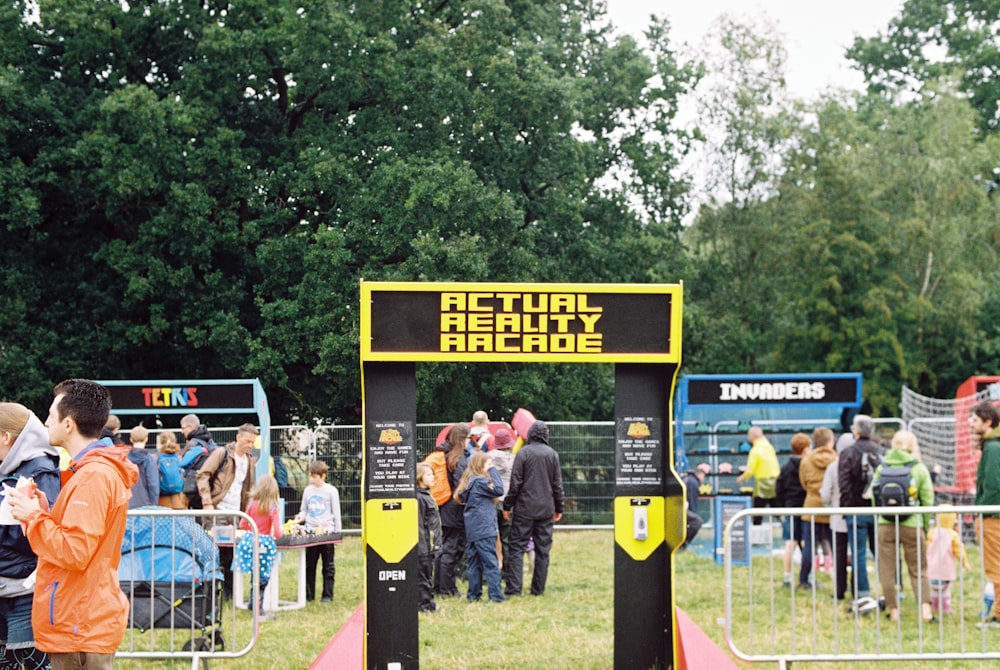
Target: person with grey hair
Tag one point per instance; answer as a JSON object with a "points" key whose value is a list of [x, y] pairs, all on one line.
{"points": [[853, 481], [197, 446]]}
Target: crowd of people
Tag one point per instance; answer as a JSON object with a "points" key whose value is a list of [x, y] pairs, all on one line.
{"points": [[857, 470], [486, 499], [68, 485]]}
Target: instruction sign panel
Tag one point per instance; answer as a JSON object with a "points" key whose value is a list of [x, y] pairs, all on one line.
{"points": [[726, 507], [391, 459], [639, 452]]}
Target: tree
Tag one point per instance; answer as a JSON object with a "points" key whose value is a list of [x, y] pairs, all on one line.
{"points": [[194, 189], [931, 39], [746, 121], [893, 235]]}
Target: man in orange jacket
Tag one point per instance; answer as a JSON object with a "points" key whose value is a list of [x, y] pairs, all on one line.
{"points": [[80, 613]]}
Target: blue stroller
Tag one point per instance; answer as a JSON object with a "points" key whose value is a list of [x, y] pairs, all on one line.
{"points": [[171, 575]]}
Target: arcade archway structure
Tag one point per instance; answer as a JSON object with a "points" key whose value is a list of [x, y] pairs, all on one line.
{"points": [[637, 327]]}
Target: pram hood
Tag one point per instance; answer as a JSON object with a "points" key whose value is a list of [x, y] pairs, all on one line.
{"points": [[167, 549]]}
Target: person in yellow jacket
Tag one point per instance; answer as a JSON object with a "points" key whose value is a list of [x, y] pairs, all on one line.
{"points": [[763, 468]]}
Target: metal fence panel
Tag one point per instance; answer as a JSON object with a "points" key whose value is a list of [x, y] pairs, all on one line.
{"points": [[176, 606], [586, 452], [766, 621]]}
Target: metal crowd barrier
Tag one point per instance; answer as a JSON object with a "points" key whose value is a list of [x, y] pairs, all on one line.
{"points": [[172, 575], [766, 621]]}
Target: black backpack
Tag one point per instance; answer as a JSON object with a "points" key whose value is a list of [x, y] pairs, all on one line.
{"points": [[191, 475], [893, 488]]}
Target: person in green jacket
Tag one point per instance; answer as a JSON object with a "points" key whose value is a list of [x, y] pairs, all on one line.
{"points": [[894, 532], [984, 420]]}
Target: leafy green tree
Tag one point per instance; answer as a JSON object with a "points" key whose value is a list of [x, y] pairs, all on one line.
{"points": [[854, 236], [893, 235], [745, 117], [194, 189], [931, 39]]}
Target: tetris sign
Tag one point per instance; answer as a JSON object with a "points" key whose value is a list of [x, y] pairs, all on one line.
{"points": [[202, 397], [595, 323]]}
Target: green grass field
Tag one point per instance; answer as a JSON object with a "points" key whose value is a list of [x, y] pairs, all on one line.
{"points": [[571, 625]]}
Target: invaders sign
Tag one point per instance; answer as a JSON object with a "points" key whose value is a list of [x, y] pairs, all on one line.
{"points": [[520, 322]]}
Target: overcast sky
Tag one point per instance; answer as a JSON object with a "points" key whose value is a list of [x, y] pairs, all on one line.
{"points": [[816, 33]]}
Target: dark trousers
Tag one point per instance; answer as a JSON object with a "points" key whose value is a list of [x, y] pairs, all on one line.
{"points": [[313, 556], [446, 563], [760, 503], [840, 564], [482, 555], [860, 532], [813, 535], [257, 601], [425, 583], [226, 563], [522, 530]]}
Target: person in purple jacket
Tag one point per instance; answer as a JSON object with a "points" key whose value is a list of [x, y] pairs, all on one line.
{"points": [[478, 491]]}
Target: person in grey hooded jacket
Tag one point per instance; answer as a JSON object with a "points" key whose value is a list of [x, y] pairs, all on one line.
{"points": [[24, 452], [534, 502]]}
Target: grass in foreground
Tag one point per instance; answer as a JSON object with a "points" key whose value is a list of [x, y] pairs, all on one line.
{"points": [[571, 626]]}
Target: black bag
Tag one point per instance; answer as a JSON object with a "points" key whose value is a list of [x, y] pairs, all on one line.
{"points": [[191, 476], [893, 488]]}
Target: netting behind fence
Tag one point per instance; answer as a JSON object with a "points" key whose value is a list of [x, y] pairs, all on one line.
{"points": [[942, 430]]}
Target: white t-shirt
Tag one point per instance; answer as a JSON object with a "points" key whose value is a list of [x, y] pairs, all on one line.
{"points": [[233, 497]]}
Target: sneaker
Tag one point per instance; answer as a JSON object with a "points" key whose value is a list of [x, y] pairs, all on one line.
{"points": [[992, 622], [864, 605], [267, 617], [326, 599]]}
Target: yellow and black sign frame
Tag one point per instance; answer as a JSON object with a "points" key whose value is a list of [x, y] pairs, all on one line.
{"points": [[637, 327], [560, 323]]}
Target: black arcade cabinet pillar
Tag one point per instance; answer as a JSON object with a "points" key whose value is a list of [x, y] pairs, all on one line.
{"points": [[649, 516], [389, 516]]}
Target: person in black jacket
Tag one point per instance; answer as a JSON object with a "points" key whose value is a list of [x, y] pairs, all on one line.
{"points": [[790, 493], [429, 538], [533, 504], [852, 482]]}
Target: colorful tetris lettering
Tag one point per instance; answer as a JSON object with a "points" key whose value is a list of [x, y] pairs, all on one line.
{"points": [[182, 396]]}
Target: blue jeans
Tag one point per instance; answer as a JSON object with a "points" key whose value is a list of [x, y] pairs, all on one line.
{"points": [[15, 627], [859, 529], [482, 562]]}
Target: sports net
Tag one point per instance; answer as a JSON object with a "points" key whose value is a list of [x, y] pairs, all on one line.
{"points": [[942, 430]]}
